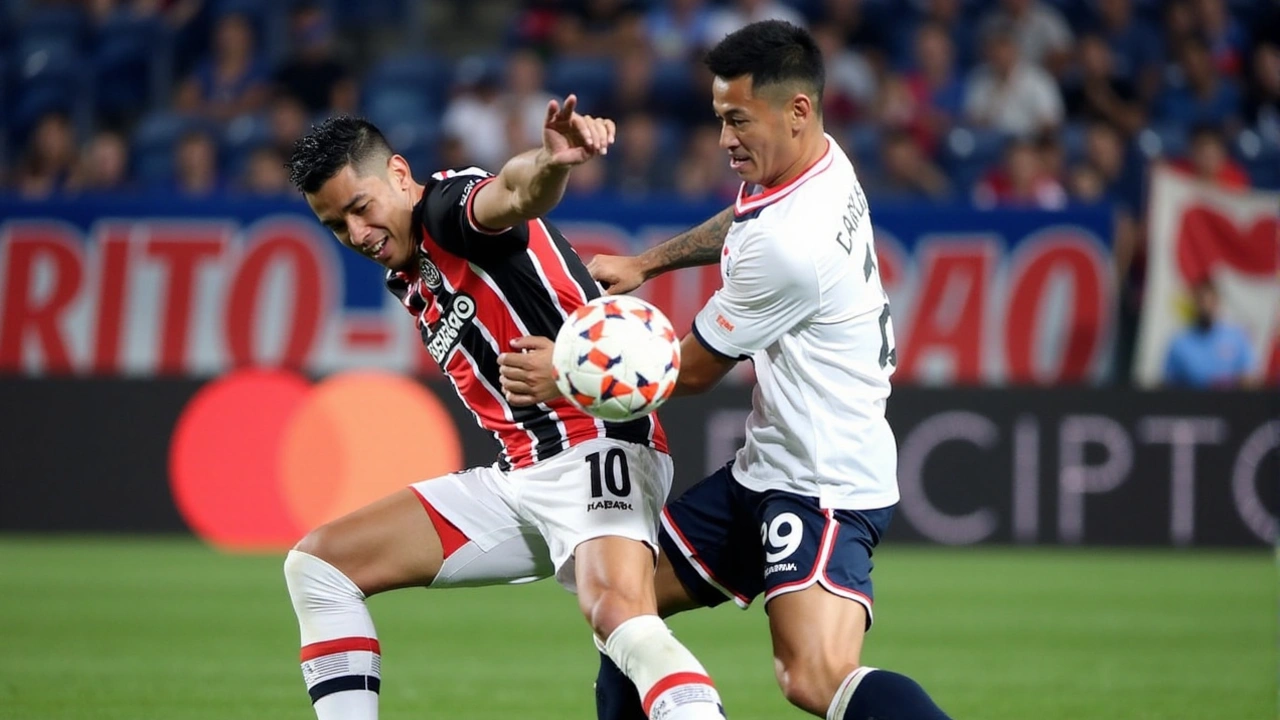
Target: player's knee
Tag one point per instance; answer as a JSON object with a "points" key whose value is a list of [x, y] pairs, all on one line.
{"points": [[810, 685], [320, 542], [607, 608], [328, 544]]}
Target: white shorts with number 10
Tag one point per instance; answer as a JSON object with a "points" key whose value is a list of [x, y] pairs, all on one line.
{"points": [[523, 525]]}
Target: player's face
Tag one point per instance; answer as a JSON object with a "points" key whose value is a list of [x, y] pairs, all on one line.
{"points": [[759, 134], [370, 213]]}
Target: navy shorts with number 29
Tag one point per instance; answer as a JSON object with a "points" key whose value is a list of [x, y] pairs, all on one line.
{"points": [[726, 541]]}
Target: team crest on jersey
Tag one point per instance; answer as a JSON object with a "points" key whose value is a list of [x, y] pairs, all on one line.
{"points": [[428, 272]]}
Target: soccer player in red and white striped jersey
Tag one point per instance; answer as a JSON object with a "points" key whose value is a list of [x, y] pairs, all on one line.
{"points": [[470, 257]]}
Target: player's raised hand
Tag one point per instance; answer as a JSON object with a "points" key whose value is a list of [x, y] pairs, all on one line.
{"points": [[617, 274], [526, 371], [572, 139]]}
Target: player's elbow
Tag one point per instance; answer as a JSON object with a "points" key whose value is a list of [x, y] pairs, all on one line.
{"points": [[695, 382]]}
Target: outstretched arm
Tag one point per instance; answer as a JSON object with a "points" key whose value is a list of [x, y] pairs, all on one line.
{"points": [[699, 246], [532, 183]]}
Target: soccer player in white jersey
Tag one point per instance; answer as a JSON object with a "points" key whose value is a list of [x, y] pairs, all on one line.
{"points": [[796, 514], [469, 256]]}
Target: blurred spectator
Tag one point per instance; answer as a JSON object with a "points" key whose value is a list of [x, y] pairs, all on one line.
{"points": [[737, 14], [1085, 184], [851, 81], [1226, 38], [587, 180], [264, 174], [1010, 94], [287, 121], [597, 28], [1042, 35], [526, 101], [1053, 157], [1179, 24], [906, 173], [233, 81], [46, 165], [948, 15], [1020, 181], [1210, 352], [857, 28], [313, 73], [935, 85], [678, 29], [476, 116], [1198, 93], [1105, 150], [633, 87], [1263, 106], [450, 153], [703, 171], [638, 166], [1209, 160], [1135, 46], [103, 165], [1096, 92], [195, 164]]}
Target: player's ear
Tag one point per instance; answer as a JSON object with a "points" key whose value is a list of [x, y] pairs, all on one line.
{"points": [[802, 110], [399, 173]]}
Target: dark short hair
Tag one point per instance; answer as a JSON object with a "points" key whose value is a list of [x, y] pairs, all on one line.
{"points": [[332, 145], [772, 52]]}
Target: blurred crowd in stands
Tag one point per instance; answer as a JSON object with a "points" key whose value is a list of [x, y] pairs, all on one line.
{"points": [[1035, 103]]}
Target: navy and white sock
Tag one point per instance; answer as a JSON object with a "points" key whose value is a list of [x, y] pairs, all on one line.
{"points": [[872, 694]]}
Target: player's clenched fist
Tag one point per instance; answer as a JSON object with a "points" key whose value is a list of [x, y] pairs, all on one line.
{"points": [[617, 274], [572, 139]]}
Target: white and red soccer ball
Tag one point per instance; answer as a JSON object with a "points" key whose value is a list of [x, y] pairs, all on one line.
{"points": [[617, 358]]}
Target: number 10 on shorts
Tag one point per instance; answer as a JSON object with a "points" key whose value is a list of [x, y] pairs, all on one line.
{"points": [[609, 471]]}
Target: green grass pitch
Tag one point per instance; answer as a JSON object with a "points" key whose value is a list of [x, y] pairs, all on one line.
{"points": [[122, 629]]}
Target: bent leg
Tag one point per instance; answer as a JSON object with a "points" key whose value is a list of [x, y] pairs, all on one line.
{"points": [[695, 569], [388, 544], [818, 622]]}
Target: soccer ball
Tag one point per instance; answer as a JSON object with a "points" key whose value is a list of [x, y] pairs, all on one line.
{"points": [[617, 358]]}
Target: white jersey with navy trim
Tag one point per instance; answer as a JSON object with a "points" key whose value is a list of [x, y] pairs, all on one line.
{"points": [[802, 299]]}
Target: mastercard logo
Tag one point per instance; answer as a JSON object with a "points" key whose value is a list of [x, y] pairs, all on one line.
{"points": [[259, 457]]}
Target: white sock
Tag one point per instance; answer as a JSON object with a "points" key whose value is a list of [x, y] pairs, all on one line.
{"points": [[673, 685], [341, 661], [840, 702]]}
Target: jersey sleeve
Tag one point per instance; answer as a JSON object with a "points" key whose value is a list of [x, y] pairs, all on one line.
{"points": [[767, 292], [449, 219]]}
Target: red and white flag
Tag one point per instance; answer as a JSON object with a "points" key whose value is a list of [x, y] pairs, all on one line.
{"points": [[1201, 232]]}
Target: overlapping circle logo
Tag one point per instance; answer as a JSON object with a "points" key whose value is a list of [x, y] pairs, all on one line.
{"points": [[258, 457]]}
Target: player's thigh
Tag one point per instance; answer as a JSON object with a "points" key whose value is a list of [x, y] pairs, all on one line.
{"points": [[483, 540], [817, 573], [710, 547], [817, 641], [599, 489], [387, 544]]}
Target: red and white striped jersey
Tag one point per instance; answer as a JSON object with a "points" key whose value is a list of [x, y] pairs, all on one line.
{"points": [[475, 290]]}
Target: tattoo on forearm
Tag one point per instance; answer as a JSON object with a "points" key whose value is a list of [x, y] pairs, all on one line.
{"points": [[699, 246]]}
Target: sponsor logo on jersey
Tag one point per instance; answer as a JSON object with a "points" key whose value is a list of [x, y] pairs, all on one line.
{"points": [[608, 505], [445, 336], [779, 567], [723, 322], [466, 191]]}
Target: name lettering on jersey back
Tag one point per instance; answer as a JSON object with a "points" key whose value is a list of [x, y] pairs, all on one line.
{"points": [[445, 336], [855, 212]]}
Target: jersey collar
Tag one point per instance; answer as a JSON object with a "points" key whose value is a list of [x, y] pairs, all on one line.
{"points": [[746, 203]]}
